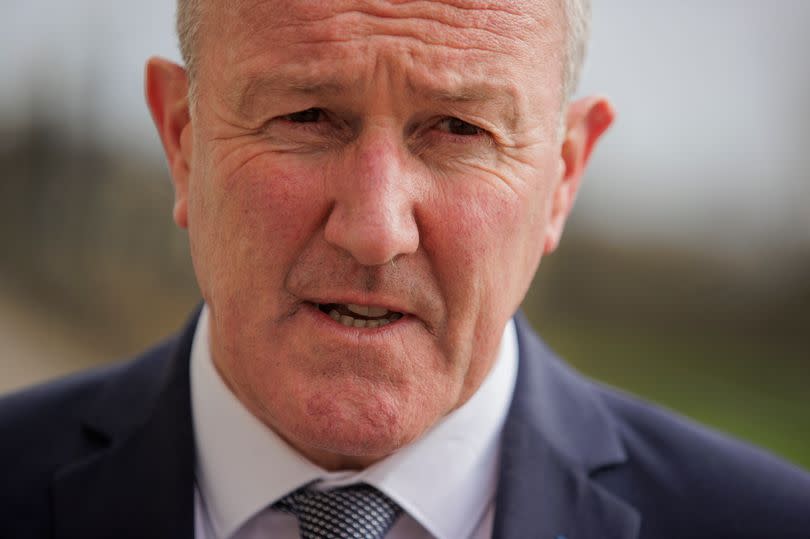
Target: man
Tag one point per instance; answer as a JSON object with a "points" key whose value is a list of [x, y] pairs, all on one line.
{"points": [[368, 188]]}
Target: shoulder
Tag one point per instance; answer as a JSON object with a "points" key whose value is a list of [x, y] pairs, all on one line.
{"points": [[683, 479], [45, 428], [690, 481], [44, 411]]}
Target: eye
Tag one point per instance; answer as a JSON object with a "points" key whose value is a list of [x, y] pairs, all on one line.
{"points": [[454, 126], [305, 116]]}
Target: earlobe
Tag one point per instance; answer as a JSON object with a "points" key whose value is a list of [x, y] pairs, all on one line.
{"points": [[166, 89], [587, 121]]}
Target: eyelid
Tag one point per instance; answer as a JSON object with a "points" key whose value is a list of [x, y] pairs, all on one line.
{"points": [[483, 135], [446, 119], [284, 119], [330, 128], [327, 120]]}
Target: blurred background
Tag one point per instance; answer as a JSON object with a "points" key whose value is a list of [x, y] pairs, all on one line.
{"points": [[684, 275]]}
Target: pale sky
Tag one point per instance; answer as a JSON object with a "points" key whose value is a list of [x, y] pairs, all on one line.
{"points": [[711, 149]]}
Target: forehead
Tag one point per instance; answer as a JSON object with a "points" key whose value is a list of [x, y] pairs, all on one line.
{"points": [[450, 17], [464, 46]]}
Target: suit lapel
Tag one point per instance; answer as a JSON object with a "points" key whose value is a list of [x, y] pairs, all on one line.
{"points": [[140, 483], [556, 435]]}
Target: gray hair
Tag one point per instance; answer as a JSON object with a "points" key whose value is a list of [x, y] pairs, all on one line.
{"points": [[189, 17], [577, 33]]}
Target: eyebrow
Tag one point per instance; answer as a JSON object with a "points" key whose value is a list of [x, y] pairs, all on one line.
{"points": [[245, 96], [462, 94], [471, 94]]}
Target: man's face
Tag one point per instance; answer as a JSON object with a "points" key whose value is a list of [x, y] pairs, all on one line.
{"points": [[392, 165]]}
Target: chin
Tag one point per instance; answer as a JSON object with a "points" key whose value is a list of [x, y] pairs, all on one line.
{"points": [[353, 427], [349, 447]]}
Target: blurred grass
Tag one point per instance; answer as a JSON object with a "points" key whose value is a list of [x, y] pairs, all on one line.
{"points": [[753, 388]]}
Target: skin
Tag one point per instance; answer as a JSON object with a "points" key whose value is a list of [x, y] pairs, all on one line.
{"points": [[397, 154]]}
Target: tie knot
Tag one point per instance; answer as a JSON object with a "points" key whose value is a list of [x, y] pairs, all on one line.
{"points": [[355, 512]]}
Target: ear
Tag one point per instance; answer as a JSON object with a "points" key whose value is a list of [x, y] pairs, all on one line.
{"points": [[166, 88], [586, 120]]}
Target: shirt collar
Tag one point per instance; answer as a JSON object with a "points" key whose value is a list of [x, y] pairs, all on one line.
{"points": [[445, 480]]}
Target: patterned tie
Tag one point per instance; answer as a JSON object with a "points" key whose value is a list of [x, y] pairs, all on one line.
{"points": [[354, 512]]}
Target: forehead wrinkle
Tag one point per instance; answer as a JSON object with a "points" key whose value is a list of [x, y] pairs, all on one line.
{"points": [[465, 24]]}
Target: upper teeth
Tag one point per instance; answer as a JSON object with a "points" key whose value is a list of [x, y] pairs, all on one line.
{"points": [[357, 322], [364, 310], [367, 317]]}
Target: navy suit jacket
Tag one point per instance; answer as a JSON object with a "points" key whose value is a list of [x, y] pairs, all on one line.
{"points": [[110, 453]]}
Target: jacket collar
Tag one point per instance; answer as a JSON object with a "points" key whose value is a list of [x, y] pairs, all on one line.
{"points": [[140, 482], [557, 435]]}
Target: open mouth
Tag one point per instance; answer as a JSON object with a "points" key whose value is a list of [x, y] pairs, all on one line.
{"points": [[359, 316]]}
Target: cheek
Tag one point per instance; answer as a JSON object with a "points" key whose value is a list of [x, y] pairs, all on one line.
{"points": [[249, 223], [270, 201], [475, 223], [481, 230], [486, 245]]}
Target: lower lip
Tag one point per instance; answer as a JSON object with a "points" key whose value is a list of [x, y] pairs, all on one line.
{"points": [[326, 323]]}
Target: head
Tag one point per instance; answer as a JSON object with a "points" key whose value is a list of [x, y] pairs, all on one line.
{"points": [[398, 166]]}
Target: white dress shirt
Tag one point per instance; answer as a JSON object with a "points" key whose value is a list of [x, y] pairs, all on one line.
{"points": [[445, 481]]}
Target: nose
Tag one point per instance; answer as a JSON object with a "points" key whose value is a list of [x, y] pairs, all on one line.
{"points": [[374, 198]]}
